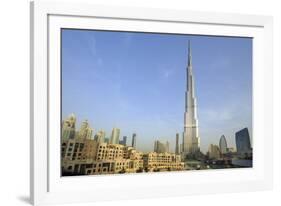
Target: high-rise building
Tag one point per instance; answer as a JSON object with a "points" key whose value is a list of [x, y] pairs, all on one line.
{"points": [[123, 141], [177, 148], [191, 140], [167, 146], [85, 131], [134, 140], [213, 152], [115, 136], [242, 139], [223, 145], [100, 136], [68, 127], [160, 147]]}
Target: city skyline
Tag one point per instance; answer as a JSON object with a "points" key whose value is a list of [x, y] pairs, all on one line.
{"points": [[221, 110], [99, 135]]}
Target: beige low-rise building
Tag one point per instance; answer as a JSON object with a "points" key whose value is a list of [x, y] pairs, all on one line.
{"points": [[162, 161], [93, 167], [78, 149], [86, 156], [109, 151]]}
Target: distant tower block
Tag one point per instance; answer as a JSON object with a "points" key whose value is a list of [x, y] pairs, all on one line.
{"points": [[115, 136], [243, 143], [177, 148], [123, 141], [68, 127], [223, 145], [134, 140], [85, 131], [100, 136], [191, 140]]}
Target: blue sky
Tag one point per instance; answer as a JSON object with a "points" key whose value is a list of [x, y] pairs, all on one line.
{"points": [[136, 82]]}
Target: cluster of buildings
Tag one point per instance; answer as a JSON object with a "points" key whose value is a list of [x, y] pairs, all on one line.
{"points": [[190, 146], [86, 132], [88, 157], [84, 153], [243, 147]]}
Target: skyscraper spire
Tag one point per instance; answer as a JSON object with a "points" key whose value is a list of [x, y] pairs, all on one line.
{"points": [[191, 140], [189, 54]]}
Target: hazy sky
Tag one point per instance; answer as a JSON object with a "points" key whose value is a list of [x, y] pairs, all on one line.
{"points": [[136, 82]]}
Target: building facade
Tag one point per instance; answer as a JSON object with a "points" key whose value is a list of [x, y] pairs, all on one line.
{"points": [[85, 131], [89, 157], [78, 149], [243, 144], [162, 162], [100, 136]]}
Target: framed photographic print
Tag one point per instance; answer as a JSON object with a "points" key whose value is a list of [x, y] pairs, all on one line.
{"points": [[141, 103]]}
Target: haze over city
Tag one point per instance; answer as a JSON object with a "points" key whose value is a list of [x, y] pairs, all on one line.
{"points": [[136, 82]]}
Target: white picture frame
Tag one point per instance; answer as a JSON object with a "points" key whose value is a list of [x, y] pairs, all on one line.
{"points": [[47, 18]]}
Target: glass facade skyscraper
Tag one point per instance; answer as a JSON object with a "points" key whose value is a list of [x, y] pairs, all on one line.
{"points": [[243, 144]]}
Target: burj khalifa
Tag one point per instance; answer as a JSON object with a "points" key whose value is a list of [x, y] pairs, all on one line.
{"points": [[191, 140]]}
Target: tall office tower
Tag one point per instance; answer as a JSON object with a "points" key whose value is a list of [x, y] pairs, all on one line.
{"points": [[223, 145], [100, 136], [161, 147], [134, 140], [85, 131], [123, 141], [242, 139], [115, 136], [68, 127], [177, 149], [191, 140]]}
